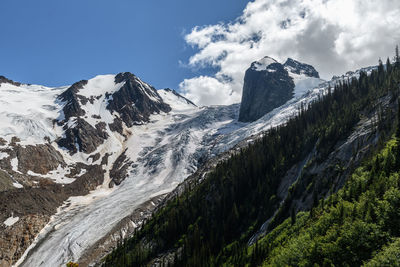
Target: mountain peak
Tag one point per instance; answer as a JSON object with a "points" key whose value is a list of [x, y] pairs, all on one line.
{"points": [[267, 85], [300, 68], [5, 80], [262, 64]]}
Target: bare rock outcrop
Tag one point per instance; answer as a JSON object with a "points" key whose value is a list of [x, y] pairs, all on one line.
{"points": [[39, 159], [15, 239]]}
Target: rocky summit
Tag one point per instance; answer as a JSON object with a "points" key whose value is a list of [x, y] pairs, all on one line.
{"points": [[269, 84], [299, 68]]}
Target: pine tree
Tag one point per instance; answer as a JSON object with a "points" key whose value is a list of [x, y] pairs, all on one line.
{"points": [[388, 66], [398, 119], [397, 57], [293, 216]]}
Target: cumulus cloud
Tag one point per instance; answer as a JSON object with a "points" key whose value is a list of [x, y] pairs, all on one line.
{"points": [[333, 35]]}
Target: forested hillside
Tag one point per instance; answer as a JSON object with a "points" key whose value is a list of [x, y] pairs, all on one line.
{"points": [[211, 223], [359, 225]]}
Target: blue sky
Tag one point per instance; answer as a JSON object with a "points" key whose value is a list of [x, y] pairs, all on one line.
{"points": [[54, 42]]}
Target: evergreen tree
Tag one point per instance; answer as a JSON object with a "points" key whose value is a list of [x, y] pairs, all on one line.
{"points": [[293, 216], [388, 66], [398, 119]]}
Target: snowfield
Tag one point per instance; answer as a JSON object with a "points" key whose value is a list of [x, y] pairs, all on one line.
{"points": [[28, 111]]}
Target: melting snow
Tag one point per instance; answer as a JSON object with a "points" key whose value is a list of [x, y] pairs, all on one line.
{"points": [[58, 175]]}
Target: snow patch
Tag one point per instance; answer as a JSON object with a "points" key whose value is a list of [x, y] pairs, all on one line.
{"points": [[17, 185], [174, 101], [3, 155], [11, 221], [304, 84], [14, 165], [263, 63]]}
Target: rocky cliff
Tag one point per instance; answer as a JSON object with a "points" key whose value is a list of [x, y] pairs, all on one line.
{"points": [[269, 84], [296, 67]]}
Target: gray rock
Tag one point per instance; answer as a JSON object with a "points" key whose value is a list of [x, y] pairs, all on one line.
{"points": [[297, 67], [82, 137], [72, 106], [5, 80], [264, 89], [135, 101]]}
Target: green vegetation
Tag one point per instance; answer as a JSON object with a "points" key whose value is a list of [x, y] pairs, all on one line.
{"points": [[211, 223], [72, 264], [356, 226]]}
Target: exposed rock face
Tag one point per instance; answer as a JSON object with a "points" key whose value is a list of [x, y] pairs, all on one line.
{"points": [[72, 107], [40, 158], [5, 181], [15, 239], [34, 206], [267, 85], [5, 80], [119, 170], [135, 101], [299, 68], [82, 137], [131, 104]]}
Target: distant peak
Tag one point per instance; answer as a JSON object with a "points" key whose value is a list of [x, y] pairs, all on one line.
{"points": [[5, 80], [124, 76], [300, 68]]}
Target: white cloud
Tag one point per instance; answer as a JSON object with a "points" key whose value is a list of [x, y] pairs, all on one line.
{"points": [[332, 35], [208, 90]]}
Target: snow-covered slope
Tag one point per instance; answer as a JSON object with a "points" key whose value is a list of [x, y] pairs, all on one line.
{"points": [[28, 111], [303, 83], [164, 152]]}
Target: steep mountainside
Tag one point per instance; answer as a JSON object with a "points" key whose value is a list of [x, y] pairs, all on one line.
{"points": [[244, 194]]}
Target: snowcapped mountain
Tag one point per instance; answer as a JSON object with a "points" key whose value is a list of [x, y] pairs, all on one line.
{"points": [[83, 165]]}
